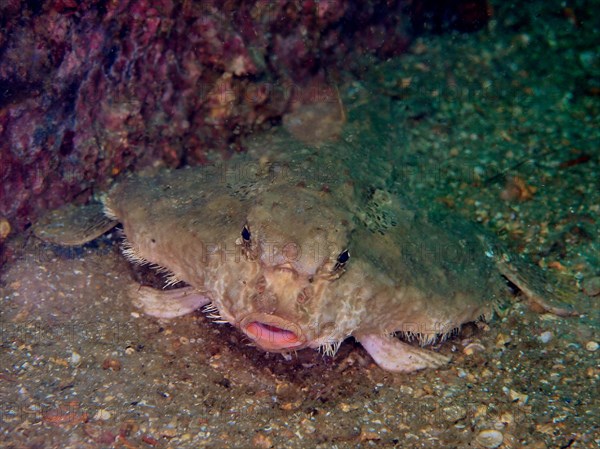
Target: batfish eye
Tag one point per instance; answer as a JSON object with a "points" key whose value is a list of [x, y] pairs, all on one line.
{"points": [[246, 234], [341, 260], [343, 257]]}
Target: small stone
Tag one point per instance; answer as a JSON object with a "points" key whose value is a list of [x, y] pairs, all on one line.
{"points": [[168, 433], [262, 441], [519, 398], [345, 407], [481, 411], [545, 337], [454, 413], [98, 434], [486, 373], [502, 340], [368, 435], [506, 418], [516, 189], [591, 286], [289, 406], [75, 359], [490, 438], [112, 364], [308, 426], [102, 415], [591, 346], [285, 390], [405, 389], [4, 229], [538, 445]]}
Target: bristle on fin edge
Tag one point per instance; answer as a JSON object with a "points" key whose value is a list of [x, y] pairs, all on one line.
{"points": [[425, 339], [330, 348], [329, 344], [108, 210], [171, 280], [131, 254]]}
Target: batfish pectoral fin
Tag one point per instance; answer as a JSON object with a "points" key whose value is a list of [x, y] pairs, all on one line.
{"points": [[73, 225], [550, 305], [532, 284], [394, 355], [167, 303]]}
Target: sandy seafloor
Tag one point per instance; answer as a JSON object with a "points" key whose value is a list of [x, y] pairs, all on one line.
{"points": [[81, 368]]}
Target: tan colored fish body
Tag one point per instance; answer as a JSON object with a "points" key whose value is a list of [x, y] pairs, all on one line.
{"points": [[296, 265]]}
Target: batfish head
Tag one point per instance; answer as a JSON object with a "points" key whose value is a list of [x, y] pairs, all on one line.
{"points": [[295, 246]]}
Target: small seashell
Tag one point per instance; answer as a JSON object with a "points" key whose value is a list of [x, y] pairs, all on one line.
{"points": [[472, 348], [490, 438], [102, 415], [549, 317], [545, 337], [591, 346]]}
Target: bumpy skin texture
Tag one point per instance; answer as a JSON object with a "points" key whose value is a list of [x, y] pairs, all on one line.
{"points": [[267, 251]]}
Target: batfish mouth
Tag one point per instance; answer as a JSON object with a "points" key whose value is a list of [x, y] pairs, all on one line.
{"points": [[272, 333]]}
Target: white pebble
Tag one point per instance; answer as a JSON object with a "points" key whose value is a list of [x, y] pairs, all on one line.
{"points": [[75, 359], [545, 337], [591, 346], [490, 438], [102, 415]]}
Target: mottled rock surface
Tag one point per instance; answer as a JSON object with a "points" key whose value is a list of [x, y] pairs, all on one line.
{"points": [[89, 89]]}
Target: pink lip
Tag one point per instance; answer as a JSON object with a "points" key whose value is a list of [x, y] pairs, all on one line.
{"points": [[272, 333]]}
